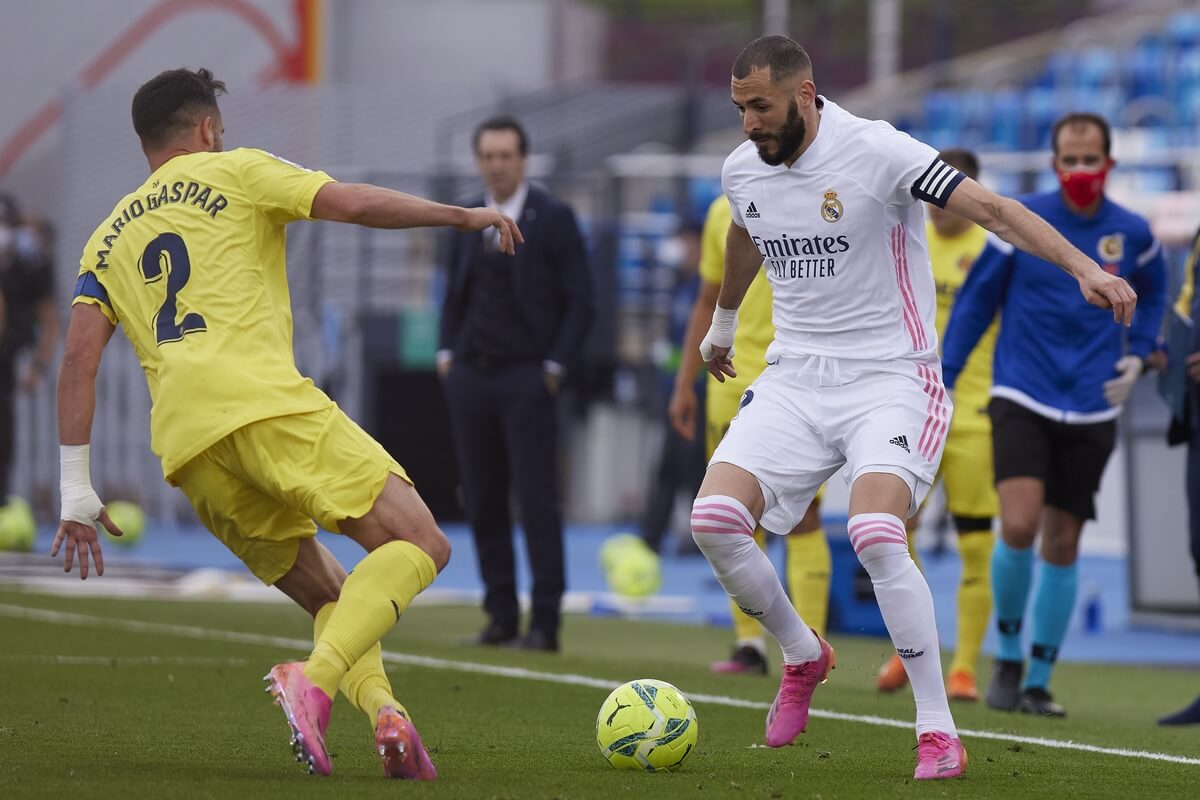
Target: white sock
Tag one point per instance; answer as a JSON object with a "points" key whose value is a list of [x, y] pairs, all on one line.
{"points": [[724, 531], [882, 547]]}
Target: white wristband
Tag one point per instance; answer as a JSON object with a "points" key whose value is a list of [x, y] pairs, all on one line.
{"points": [[720, 333], [79, 501]]}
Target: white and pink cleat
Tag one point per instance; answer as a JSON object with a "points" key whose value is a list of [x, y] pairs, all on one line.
{"points": [[400, 749], [939, 756], [306, 708], [788, 716]]}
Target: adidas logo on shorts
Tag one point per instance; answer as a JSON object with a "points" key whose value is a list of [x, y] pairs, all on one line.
{"points": [[751, 212], [900, 441]]}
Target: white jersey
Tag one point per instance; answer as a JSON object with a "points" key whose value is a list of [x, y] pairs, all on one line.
{"points": [[842, 235]]}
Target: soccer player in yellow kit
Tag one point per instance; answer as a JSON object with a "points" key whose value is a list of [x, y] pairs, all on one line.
{"points": [[966, 471], [808, 559], [191, 263]]}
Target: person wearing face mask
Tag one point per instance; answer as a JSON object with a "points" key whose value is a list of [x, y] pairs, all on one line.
{"points": [[30, 319], [1061, 375]]}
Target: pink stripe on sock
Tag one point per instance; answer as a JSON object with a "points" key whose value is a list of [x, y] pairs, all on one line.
{"points": [[744, 516], [732, 520], [863, 544], [869, 528], [733, 531]]}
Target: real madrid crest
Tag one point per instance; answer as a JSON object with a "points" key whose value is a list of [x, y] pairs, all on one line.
{"points": [[1112, 247], [831, 207]]}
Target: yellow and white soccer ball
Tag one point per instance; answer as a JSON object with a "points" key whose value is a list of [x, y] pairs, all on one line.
{"points": [[129, 518], [646, 725], [631, 568], [18, 529]]}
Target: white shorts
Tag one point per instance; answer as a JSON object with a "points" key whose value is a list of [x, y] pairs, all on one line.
{"points": [[804, 418]]}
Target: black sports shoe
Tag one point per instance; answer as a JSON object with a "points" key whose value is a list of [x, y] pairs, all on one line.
{"points": [[1188, 716], [495, 635], [537, 639], [1038, 701], [745, 660], [1005, 689]]}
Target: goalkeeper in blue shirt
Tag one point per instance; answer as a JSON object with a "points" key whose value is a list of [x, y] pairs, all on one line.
{"points": [[1062, 371]]}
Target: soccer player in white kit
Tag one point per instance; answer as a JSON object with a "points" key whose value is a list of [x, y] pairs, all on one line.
{"points": [[827, 203]]}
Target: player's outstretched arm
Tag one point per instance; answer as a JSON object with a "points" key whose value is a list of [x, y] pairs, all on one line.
{"points": [[376, 207], [87, 335], [742, 262], [1020, 227]]}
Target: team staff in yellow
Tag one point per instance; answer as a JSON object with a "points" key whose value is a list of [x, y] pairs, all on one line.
{"points": [[808, 560], [966, 470], [191, 264]]}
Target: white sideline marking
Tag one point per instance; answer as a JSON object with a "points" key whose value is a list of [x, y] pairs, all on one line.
{"points": [[126, 661], [304, 645]]}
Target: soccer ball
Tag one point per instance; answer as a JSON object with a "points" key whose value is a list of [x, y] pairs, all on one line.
{"points": [[631, 568], [17, 526], [647, 725], [129, 518]]}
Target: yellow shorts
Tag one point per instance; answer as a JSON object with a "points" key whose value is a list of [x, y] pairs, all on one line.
{"points": [[261, 487], [720, 407], [967, 474]]}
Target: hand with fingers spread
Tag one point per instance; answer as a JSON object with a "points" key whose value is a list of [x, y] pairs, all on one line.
{"points": [[480, 218], [81, 510], [717, 347], [1109, 291]]}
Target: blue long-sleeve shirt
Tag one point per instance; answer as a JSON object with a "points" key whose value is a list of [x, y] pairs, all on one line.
{"points": [[1055, 351]]}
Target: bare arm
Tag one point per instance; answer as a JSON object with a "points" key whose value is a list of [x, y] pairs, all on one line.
{"points": [[1020, 227], [682, 408], [87, 336], [376, 207], [742, 262]]}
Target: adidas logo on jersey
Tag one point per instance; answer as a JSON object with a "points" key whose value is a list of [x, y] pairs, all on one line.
{"points": [[901, 442], [752, 212]]}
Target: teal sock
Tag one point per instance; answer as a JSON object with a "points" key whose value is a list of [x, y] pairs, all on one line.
{"points": [[1052, 607], [1012, 573]]}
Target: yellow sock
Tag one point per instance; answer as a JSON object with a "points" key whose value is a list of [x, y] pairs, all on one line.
{"points": [[366, 685], [974, 598], [374, 596], [808, 568], [745, 627]]}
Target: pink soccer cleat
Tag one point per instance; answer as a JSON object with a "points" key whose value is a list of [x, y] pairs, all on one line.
{"points": [[306, 708], [939, 756], [788, 716], [400, 747]]}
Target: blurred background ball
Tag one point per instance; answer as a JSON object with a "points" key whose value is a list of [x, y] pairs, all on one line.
{"points": [[18, 529], [129, 518]]}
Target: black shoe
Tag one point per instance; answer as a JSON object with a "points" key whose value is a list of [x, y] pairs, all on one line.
{"points": [[537, 639], [746, 660], [1039, 702], [1188, 716], [1004, 692], [495, 635]]}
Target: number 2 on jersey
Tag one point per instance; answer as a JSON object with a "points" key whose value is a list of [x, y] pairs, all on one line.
{"points": [[167, 253]]}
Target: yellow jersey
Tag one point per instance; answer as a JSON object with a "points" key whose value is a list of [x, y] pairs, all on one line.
{"points": [[952, 259], [191, 264], [755, 330]]}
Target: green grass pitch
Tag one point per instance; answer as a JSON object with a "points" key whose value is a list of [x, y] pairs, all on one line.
{"points": [[99, 707]]}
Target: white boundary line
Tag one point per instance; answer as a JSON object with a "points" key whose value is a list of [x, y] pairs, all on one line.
{"points": [[304, 645]]}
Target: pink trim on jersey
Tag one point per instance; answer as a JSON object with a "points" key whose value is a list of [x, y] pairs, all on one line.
{"points": [[718, 517], [912, 317], [876, 531], [938, 420]]}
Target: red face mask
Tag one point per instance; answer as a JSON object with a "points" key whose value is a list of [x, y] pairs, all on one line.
{"points": [[1084, 186]]}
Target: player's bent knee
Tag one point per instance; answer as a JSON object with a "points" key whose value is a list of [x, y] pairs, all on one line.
{"points": [[717, 518], [1018, 530]]}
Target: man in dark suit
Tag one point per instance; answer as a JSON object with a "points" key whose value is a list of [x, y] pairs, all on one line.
{"points": [[511, 327]]}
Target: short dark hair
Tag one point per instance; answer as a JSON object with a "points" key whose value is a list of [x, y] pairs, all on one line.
{"points": [[504, 123], [173, 101], [962, 160], [1082, 118], [783, 55]]}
